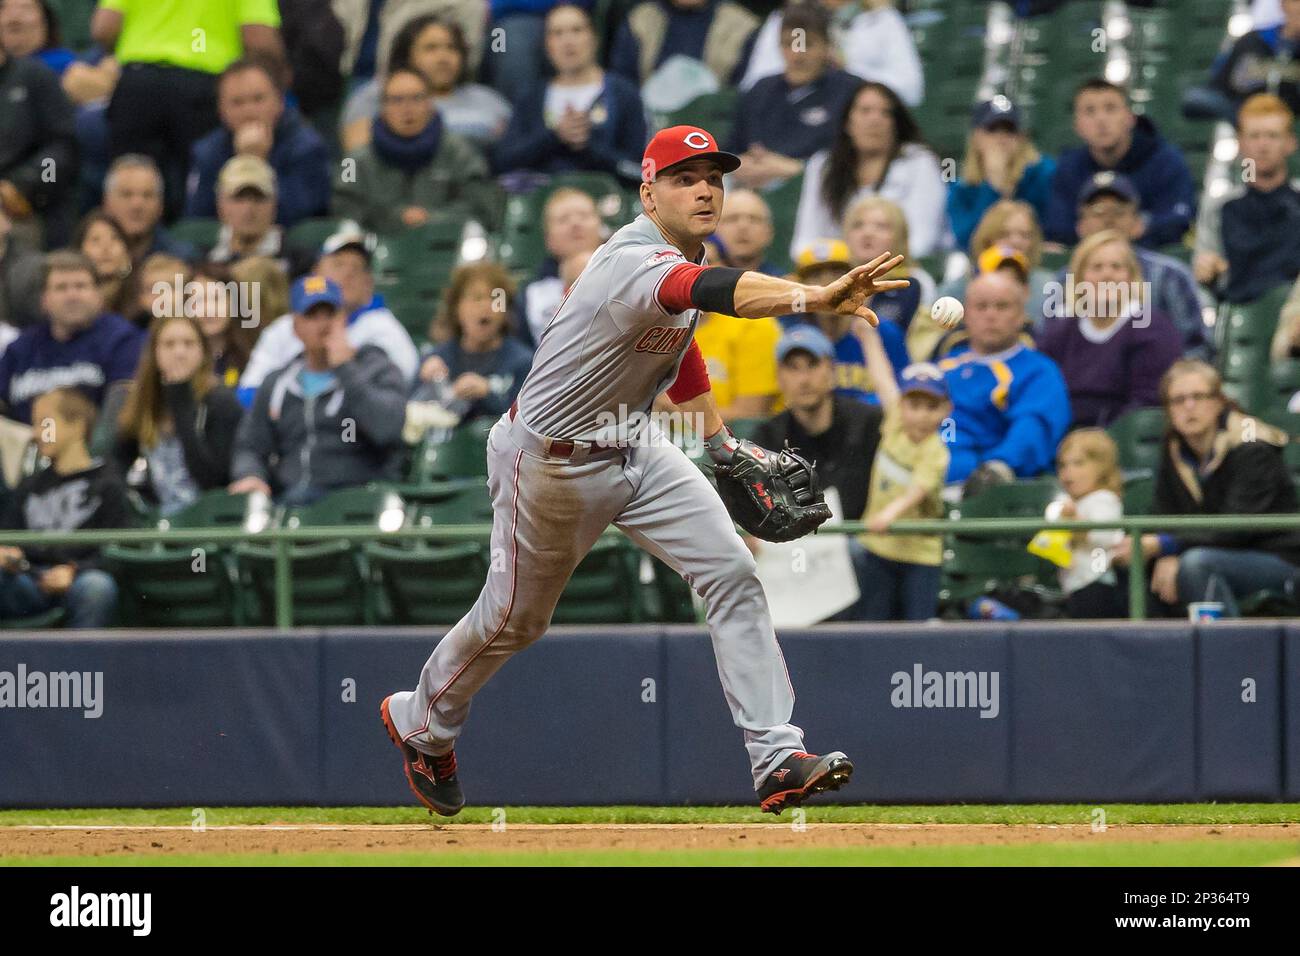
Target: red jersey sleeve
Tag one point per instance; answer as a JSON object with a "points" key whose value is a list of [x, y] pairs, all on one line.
{"points": [[692, 376]]}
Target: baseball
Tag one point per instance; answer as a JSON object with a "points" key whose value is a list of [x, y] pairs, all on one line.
{"points": [[947, 311]]}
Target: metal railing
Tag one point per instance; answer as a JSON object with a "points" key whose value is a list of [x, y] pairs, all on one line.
{"points": [[282, 539]]}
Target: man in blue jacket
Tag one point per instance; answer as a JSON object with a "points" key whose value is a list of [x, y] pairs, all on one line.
{"points": [[1010, 404], [1117, 140], [256, 122]]}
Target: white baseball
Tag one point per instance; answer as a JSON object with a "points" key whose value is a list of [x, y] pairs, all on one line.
{"points": [[948, 312]]}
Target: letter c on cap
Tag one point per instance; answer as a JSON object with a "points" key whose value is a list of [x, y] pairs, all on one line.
{"points": [[697, 140]]}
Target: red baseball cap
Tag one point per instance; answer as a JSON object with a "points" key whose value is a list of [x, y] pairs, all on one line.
{"points": [[676, 144]]}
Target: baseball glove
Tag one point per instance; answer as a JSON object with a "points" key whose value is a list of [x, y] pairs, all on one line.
{"points": [[772, 495]]}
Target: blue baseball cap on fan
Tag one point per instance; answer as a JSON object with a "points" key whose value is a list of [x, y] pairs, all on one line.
{"points": [[923, 377], [805, 338], [310, 291]]}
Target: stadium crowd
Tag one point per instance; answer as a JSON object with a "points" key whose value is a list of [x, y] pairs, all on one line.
{"points": [[202, 201]]}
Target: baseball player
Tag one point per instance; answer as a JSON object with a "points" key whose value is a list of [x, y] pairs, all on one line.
{"points": [[560, 474]]}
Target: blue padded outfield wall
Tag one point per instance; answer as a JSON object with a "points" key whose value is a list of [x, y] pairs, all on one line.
{"points": [[1069, 712]]}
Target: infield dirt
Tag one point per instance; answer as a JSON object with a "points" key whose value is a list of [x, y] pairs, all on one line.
{"points": [[35, 842]]}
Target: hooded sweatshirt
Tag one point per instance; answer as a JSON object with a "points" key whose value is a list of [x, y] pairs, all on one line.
{"points": [[1158, 171], [348, 433]]}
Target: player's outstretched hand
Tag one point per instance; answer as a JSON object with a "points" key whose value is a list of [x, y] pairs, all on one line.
{"points": [[848, 294]]}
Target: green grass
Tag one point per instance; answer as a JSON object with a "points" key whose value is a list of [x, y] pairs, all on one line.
{"points": [[1191, 813], [1228, 853]]}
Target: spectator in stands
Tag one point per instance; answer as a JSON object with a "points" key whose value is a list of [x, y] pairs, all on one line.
{"points": [[166, 96], [76, 492], [787, 117], [877, 151], [1001, 163], [226, 313], [718, 33], [255, 122], [1261, 61], [1248, 239], [871, 40], [744, 233], [31, 28], [133, 198], [571, 227], [1010, 403], [1117, 140], [898, 575], [21, 267], [1217, 461], [477, 365], [414, 170], [820, 263], [583, 119], [1008, 229], [246, 202], [102, 241], [331, 418], [372, 28], [267, 283], [78, 345], [160, 275], [1111, 342], [873, 226], [1286, 339], [436, 49], [38, 151], [1087, 466], [518, 64], [177, 419], [346, 261], [1109, 201], [841, 434], [741, 358], [314, 42]]}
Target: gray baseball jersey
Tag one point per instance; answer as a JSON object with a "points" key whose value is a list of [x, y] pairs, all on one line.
{"points": [[611, 346]]}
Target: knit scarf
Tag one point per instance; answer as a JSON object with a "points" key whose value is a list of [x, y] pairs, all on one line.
{"points": [[408, 154]]}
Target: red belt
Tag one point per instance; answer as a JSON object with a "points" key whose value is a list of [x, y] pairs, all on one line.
{"points": [[557, 447]]}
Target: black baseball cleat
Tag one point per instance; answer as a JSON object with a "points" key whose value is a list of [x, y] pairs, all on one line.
{"points": [[801, 775], [432, 779]]}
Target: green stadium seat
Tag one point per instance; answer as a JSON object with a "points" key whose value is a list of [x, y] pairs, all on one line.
{"points": [[329, 577], [784, 203], [975, 565], [523, 247], [74, 22], [201, 233], [1139, 436], [715, 112], [47, 619], [187, 585], [462, 455], [468, 504], [428, 585], [605, 587], [312, 233], [328, 584], [1139, 492]]}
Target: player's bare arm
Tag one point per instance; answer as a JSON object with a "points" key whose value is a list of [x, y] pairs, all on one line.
{"points": [[758, 295]]}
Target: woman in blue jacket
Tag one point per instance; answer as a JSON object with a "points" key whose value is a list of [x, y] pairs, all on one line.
{"points": [[1000, 163], [583, 119]]}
